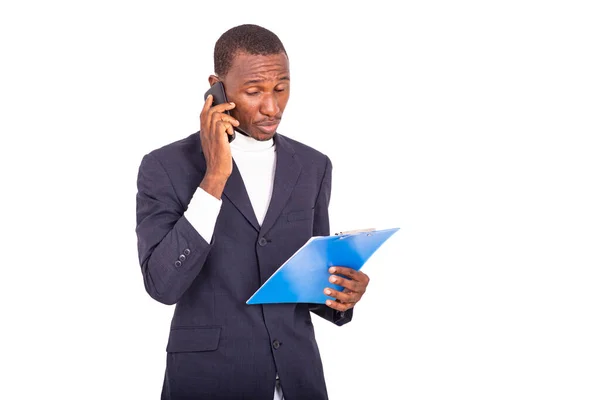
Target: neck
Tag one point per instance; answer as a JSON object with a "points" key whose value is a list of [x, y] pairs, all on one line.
{"points": [[246, 143]]}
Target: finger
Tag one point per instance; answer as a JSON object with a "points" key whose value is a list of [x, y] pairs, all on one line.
{"points": [[230, 119], [344, 297], [349, 284], [224, 127], [204, 113], [207, 103], [336, 305], [216, 117], [221, 108], [350, 273], [230, 131]]}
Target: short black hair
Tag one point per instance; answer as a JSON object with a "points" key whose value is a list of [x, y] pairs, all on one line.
{"points": [[247, 38]]}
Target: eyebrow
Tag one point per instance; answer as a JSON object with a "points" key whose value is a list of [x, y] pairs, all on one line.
{"points": [[255, 81]]}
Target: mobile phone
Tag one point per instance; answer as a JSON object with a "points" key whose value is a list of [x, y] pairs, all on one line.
{"points": [[219, 97]]}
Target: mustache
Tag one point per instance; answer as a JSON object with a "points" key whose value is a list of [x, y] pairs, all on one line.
{"points": [[268, 121]]}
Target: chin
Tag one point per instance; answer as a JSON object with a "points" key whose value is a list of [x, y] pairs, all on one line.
{"points": [[261, 136]]}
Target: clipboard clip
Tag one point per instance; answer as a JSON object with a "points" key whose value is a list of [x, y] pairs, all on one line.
{"points": [[346, 233]]}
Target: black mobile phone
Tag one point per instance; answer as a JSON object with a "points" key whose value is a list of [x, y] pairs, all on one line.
{"points": [[219, 97]]}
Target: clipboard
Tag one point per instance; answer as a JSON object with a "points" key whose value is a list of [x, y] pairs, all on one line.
{"points": [[304, 276]]}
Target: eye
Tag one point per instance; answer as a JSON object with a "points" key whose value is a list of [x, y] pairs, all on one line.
{"points": [[252, 93], [281, 88]]}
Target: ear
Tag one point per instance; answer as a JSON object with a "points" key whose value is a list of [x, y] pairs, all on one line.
{"points": [[213, 79]]}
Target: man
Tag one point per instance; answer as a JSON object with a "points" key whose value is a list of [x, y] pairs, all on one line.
{"points": [[215, 220]]}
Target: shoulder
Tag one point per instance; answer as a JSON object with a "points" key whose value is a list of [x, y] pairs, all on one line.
{"points": [[182, 148], [181, 158]]}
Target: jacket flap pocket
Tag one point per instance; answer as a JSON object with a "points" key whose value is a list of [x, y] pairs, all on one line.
{"points": [[193, 339], [300, 215]]}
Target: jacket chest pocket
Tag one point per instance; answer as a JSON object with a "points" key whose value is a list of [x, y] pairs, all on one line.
{"points": [[301, 215]]}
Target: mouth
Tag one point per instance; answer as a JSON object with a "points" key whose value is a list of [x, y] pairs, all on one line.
{"points": [[268, 127]]}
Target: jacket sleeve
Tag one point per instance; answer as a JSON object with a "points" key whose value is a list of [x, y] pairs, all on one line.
{"points": [[321, 228], [171, 252]]}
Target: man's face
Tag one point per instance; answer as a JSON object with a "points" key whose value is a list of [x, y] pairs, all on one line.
{"points": [[260, 88]]}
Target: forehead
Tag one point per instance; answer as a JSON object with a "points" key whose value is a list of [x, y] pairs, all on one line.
{"points": [[253, 67]]}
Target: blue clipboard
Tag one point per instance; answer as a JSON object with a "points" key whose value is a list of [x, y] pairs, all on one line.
{"points": [[304, 276]]}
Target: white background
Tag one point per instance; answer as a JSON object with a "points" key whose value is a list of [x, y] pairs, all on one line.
{"points": [[471, 125]]}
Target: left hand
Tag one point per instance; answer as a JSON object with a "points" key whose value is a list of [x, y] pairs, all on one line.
{"points": [[354, 284]]}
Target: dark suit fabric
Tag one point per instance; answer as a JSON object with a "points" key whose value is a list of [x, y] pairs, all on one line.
{"points": [[219, 347]]}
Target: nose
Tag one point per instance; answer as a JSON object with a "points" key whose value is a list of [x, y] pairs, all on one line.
{"points": [[269, 106]]}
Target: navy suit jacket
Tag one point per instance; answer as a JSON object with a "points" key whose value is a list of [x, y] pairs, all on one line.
{"points": [[219, 347]]}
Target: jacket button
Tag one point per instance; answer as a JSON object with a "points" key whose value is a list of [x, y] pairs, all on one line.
{"points": [[262, 241], [187, 252], [181, 258], [342, 314], [276, 344], [178, 263]]}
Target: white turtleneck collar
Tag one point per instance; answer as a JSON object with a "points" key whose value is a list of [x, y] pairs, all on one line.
{"points": [[245, 143], [256, 162]]}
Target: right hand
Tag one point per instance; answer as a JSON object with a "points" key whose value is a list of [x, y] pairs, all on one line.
{"points": [[215, 125]]}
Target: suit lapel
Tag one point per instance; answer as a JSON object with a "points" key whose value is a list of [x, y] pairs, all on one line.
{"points": [[236, 192], [287, 171]]}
